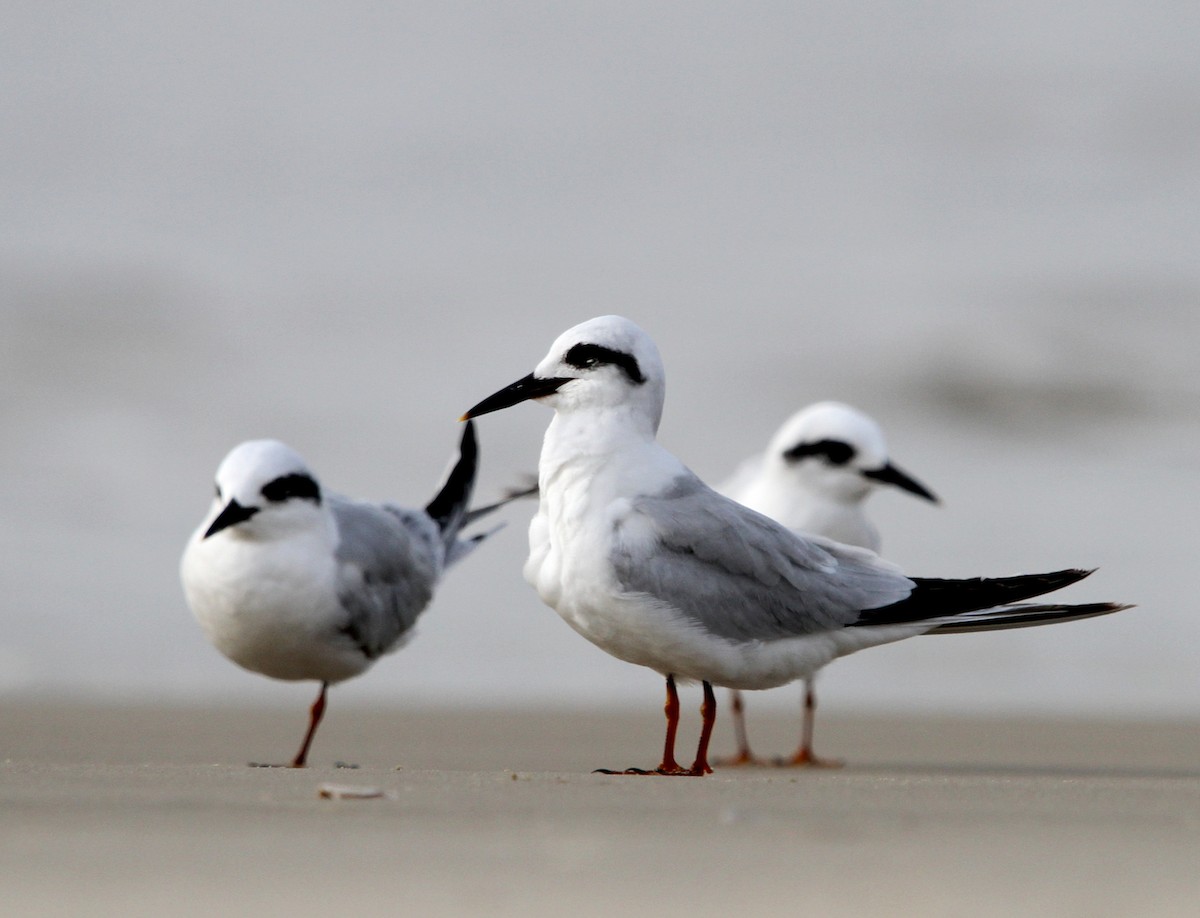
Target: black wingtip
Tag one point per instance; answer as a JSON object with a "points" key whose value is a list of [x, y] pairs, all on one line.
{"points": [[932, 598], [449, 506], [1030, 615]]}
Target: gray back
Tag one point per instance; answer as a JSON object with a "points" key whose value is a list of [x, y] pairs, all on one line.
{"points": [[740, 575], [389, 560]]}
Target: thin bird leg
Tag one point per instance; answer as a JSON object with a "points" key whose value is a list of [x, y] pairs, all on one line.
{"points": [[314, 718], [708, 713], [804, 756], [743, 756], [669, 766]]}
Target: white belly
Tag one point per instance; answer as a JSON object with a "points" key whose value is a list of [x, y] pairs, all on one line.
{"points": [[269, 611], [579, 585]]}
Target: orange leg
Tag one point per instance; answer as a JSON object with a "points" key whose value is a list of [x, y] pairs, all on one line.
{"points": [[669, 766], [671, 709], [315, 713], [314, 717], [804, 756], [743, 756], [708, 711]]}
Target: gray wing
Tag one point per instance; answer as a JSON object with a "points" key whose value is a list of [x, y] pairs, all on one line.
{"points": [[389, 559], [740, 575]]}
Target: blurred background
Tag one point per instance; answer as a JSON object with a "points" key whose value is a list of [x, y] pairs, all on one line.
{"points": [[343, 224]]}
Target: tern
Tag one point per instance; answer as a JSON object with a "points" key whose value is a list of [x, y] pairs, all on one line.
{"points": [[647, 562], [815, 476], [297, 583]]}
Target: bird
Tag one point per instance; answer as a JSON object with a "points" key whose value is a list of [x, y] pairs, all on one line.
{"points": [[647, 562], [815, 476], [298, 583]]}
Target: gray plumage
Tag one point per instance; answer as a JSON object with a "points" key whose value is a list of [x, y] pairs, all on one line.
{"points": [[389, 559], [740, 575], [642, 559], [294, 582]]}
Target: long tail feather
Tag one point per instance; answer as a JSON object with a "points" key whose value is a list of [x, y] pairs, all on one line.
{"points": [[449, 506], [932, 599], [1025, 616], [514, 493]]}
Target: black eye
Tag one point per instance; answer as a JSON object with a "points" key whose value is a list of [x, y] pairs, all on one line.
{"points": [[835, 452], [838, 453], [294, 485], [218, 490], [590, 356]]}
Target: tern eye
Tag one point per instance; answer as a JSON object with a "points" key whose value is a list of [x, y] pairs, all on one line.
{"points": [[591, 356], [838, 453], [835, 452], [288, 486], [217, 488]]}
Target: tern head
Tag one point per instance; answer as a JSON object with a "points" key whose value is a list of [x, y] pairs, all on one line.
{"points": [[606, 363], [838, 452], [264, 489]]}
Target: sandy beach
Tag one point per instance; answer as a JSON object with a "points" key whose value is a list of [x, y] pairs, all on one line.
{"points": [[341, 226], [113, 810]]}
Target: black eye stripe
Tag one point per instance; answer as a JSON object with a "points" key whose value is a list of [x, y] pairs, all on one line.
{"points": [[296, 484], [585, 356], [835, 452]]}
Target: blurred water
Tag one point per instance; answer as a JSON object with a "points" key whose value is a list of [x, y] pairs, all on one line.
{"points": [[343, 227]]}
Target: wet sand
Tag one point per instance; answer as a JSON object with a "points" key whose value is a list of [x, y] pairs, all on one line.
{"points": [[153, 811]]}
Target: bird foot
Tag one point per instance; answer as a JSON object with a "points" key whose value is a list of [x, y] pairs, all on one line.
{"points": [[805, 759], [676, 771], [744, 759]]}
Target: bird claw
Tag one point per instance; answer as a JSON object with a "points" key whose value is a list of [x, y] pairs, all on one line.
{"points": [[745, 759], [805, 759], [677, 771]]}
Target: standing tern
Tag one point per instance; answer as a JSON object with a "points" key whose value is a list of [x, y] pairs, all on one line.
{"points": [[654, 567], [296, 583], [815, 477]]}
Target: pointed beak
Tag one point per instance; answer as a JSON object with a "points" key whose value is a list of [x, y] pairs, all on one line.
{"points": [[522, 390], [890, 474], [231, 514]]}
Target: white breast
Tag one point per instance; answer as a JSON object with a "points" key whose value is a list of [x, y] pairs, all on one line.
{"points": [[271, 606]]}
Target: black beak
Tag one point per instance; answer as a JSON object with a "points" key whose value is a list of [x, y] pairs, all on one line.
{"points": [[232, 514], [889, 474], [520, 391]]}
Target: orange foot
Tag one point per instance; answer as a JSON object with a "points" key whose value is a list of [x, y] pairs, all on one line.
{"points": [[677, 772], [804, 758], [744, 759]]}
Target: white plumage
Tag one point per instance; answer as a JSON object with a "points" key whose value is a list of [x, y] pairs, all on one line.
{"points": [[295, 583], [815, 476], [646, 562]]}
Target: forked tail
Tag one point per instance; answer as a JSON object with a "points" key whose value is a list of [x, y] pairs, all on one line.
{"points": [[1025, 615], [986, 604], [449, 506]]}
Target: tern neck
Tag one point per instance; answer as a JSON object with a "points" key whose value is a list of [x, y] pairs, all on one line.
{"points": [[597, 431], [595, 444]]}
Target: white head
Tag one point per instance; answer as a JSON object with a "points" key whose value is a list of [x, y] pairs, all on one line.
{"points": [[606, 363], [264, 490], [837, 452]]}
